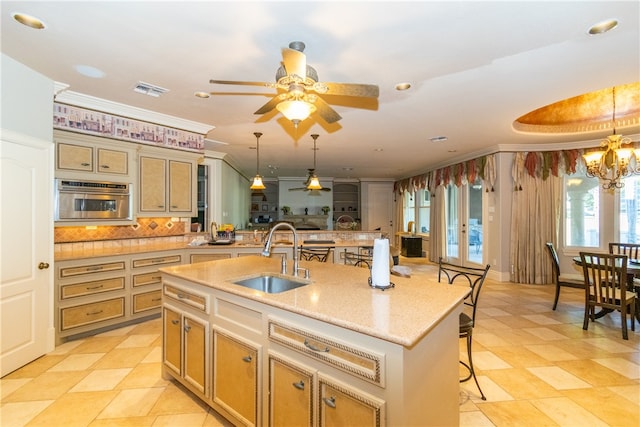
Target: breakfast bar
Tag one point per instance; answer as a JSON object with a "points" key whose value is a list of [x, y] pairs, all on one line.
{"points": [[330, 350]]}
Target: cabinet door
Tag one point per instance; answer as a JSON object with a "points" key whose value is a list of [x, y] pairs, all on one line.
{"points": [[290, 394], [153, 184], [111, 161], [195, 352], [341, 405], [180, 186], [172, 330], [235, 376], [75, 157]]}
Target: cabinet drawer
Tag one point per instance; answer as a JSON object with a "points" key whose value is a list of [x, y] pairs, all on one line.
{"points": [[201, 302], [86, 314], [153, 278], [146, 262], [90, 288], [146, 301], [362, 363], [208, 257], [91, 269]]}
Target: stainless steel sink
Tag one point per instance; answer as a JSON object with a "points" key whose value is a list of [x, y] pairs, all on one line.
{"points": [[271, 284]]}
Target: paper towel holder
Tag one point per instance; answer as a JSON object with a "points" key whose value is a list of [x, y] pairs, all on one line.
{"points": [[390, 285]]}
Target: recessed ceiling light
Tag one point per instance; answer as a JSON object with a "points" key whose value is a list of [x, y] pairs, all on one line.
{"points": [[603, 26], [89, 71], [438, 139], [452, 151], [378, 150], [202, 94], [28, 20], [347, 169], [403, 86]]}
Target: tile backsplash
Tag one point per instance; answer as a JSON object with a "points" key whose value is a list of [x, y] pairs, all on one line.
{"points": [[144, 228]]}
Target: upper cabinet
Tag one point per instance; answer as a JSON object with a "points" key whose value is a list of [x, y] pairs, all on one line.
{"points": [[88, 157], [167, 185], [346, 199]]}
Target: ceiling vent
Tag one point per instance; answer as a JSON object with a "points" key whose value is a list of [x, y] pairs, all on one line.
{"points": [[149, 89]]}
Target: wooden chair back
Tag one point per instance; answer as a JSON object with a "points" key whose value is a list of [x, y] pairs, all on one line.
{"points": [[629, 249]]}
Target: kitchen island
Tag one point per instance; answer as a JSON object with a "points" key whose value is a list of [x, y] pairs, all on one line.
{"points": [[332, 352]]}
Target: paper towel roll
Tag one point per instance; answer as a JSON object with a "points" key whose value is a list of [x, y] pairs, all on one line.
{"points": [[380, 268]]}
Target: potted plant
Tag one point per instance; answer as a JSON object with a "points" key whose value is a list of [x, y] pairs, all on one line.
{"points": [[325, 210], [286, 210]]}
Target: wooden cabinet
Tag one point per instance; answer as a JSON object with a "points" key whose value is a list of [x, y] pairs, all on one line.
{"points": [[146, 281], [186, 346], [346, 199], [343, 405], [88, 157], [167, 186], [236, 364], [291, 393]]}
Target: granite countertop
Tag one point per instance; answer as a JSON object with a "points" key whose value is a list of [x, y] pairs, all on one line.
{"points": [[102, 251], [339, 295]]}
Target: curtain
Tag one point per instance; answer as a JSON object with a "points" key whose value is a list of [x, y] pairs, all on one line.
{"points": [[535, 211], [399, 218], [437, 224]]}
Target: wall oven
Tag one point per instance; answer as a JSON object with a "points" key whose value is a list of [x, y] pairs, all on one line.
{"points": [[77, 200]]}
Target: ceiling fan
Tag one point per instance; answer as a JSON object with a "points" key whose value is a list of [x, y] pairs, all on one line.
{"points": [[299, 89], [312, 182]]}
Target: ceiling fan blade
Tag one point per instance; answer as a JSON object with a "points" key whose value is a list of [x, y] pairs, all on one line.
{"points": [[298, 189], [348, 89], [295, 62], [327, 113], [233, 82], [271, 104]]}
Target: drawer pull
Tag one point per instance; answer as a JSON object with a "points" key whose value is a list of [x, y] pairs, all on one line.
{"points": [[94, 313], [182, 296], [94, 268], [104, 166], [330, 401], [175, 321], [157, 260], [314, 348], [247, 359], [299, 385], [90, 288], [85, 164]]}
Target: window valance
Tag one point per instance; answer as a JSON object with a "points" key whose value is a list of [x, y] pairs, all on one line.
{"points": [[542, 164]]}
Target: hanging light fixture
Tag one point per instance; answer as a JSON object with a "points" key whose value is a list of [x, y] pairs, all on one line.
{"points": [[314, 182], [296, 109], [257, 180], [611, 163]]}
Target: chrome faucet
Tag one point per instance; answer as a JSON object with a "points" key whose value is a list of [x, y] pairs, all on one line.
{"points": [[214, 231], [296, 257]]}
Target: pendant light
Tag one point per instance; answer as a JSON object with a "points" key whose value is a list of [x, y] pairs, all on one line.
{"points": [[314, 182], [257, 180]]}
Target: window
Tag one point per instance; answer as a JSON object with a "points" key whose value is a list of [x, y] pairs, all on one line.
{"points": [[582, 211], [417, 208], [629, 211], [409, 210]]}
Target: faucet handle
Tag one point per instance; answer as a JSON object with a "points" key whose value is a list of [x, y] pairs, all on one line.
{"points": [[306, 272], [283, 264]]}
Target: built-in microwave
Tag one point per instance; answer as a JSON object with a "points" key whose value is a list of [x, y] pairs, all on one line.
{"points": [[77, 200]]}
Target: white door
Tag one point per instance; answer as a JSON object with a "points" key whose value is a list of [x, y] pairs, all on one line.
{"points": [[464, 224], [26, 227], [378, 206]]}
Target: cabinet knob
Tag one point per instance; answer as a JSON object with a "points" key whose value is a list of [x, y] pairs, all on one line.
{"points": [[247, 359], [175, 321], [299, 385], [43, 265], [187, 328], [329, 401]]}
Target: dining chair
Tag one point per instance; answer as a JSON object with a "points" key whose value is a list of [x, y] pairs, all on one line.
{"points": [[475, 278], [606, 275], [632, 250], [569, 280]]}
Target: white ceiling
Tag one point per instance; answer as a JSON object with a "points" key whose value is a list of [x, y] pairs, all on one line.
{"points": [[474, 68]]}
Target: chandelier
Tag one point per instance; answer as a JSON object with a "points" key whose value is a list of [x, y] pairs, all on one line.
{"points": [[257, 180], [610, 163], [314, 182]]}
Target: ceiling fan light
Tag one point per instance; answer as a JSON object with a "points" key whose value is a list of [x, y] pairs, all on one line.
{"points": [[295, 110], [257, 183], [314, 183]]}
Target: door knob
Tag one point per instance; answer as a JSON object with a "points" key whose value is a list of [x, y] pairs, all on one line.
{"points": [[43, 265]]}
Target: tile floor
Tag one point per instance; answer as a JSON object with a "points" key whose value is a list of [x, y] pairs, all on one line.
{"points": [[536, 366]]}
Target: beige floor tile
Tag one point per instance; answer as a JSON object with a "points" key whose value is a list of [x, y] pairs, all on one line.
{"points": [[558, 378], [36, 367], [546, 334], [50, 385], [485, 360], [9, 385], [148, 327], [180, 420], [621, 366], [154, 356], [629, 392], [20, 413], [214, 419], [144, 375], [518, 356], [138, 341], [118, 332], [611, 345], [77, 362], [488, 339], [66, 348], [177, 400], [516, 414], [122, 358], [492, 391], [521, 384], [131, 403], [99, 344], [101, 380], [565, 412], [550, 352], [493, 311], [594, 373], [475, 419], [125, 422], [73, 409], [607, 406]]}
